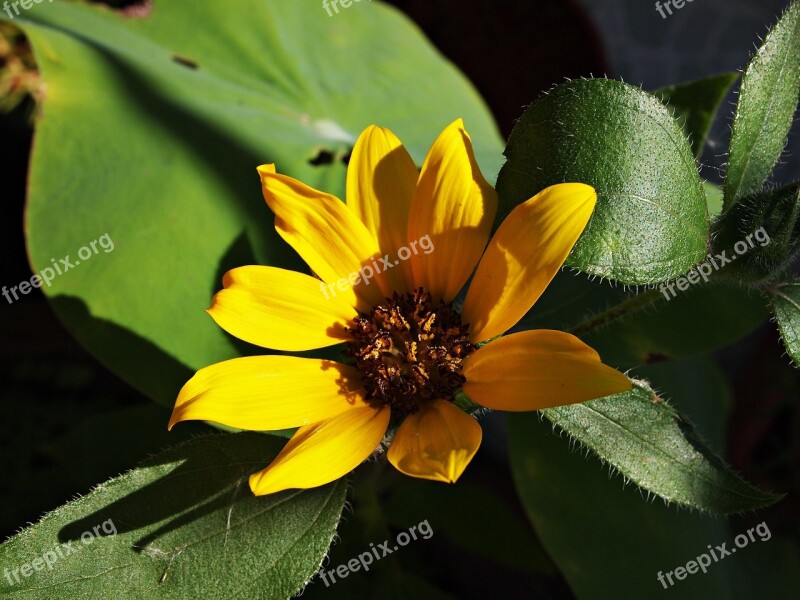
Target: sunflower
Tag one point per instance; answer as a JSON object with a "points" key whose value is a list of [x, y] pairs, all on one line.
{"points": [[389, 265]]}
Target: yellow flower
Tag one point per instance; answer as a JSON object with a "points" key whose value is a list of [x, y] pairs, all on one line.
{"points": [[390, 263]]}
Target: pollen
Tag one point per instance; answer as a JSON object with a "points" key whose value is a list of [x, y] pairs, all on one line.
{"points": [[410, 352]]}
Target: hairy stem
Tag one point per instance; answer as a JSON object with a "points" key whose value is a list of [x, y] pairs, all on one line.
{"points": [[616, 312]]}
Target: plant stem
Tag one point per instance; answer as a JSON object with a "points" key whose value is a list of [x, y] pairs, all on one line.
{"points": [[616, 312]]}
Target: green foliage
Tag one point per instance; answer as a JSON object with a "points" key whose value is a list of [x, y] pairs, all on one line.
{"points": [[701, 319], [767, 103], [697, 387], [610, 542], [152, 133], [650, 223], [570, 300], [785, 300], [630, 329], [187, 526], [647, 441], [770, 220], [503, 538], [695, 105]]}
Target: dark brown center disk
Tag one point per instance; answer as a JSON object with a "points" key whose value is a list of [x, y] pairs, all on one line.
{"points": [[410, 352]]}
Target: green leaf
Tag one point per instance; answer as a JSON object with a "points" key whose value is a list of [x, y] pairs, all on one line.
{"points": [[650, 223], [700, 319], [395, 577], [630, 329], [785, 299], [647, 441], [777, 566], [571, 299], [565, 492], [767, 104], [697, 387], [761, 233], [151, 133], [187, 526], [695, 104], [610, 542], [505, 538]]}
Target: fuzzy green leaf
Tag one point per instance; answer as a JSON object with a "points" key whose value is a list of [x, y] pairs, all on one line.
{"points": [[785, 300], [597, 529], [650, 223], [766, 108], [187, 527], [646, 440]]}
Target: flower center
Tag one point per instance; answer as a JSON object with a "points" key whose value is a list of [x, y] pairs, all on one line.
{"points": [[410, 352]]}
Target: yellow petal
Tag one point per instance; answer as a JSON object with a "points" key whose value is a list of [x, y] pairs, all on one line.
{"points": [[320, 453], [328, 236], [381, 179], [437, 443], [455, 206], [538, 369], [280, 309], [524, 255], [265, 393]]}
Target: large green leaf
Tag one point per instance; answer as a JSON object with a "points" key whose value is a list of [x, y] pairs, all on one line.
{"points": [[504, 538], [645, 439], [631, 329], [650, 223], [697, 387], [611, 542], [695, 105], [767, 103], [701, 319], [785, 300], [571, 299], [151, 132], [187, 526], [396, 576]]}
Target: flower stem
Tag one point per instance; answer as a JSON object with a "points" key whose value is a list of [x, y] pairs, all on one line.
{"points": [[616, 312]]}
